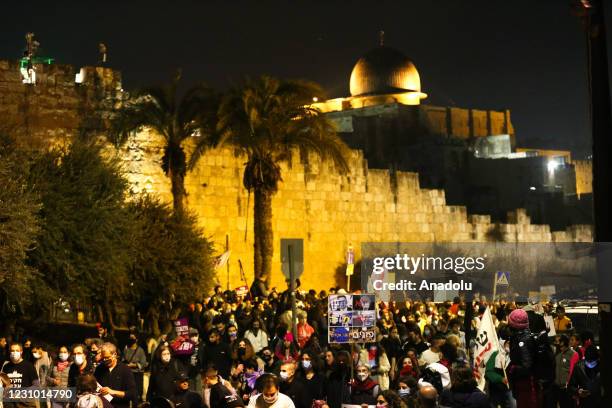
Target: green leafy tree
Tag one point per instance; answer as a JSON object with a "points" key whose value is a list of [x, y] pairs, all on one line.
{"points": [[266, 119], [176, 119], [19, 227], [83, 249], [172, 263]]}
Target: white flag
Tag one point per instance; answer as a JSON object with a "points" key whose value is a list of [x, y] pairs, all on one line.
{"points": [[486, 344]]}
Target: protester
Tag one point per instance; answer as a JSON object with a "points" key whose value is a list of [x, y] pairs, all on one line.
{"points": [[257, 335], [464, 392], [217, 392], [270, 396], [389, 399], [236, 363], [81, 364], [525, 387], [585, 382], [115, 378], [363, 388], [563, 360], [182, 396], [309, 372], [163, 374], [134, 357], [20, 371]]}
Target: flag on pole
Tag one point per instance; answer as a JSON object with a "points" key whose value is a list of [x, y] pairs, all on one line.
{"points": [[486, 344], [222, 259]]}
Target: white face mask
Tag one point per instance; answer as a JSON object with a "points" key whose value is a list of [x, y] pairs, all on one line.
{"points": [[36, 355], [15, 355], [362, 376], [63, 356], [79, 359], [306, 364], [271, 400], [284, 375], [166, 359]]}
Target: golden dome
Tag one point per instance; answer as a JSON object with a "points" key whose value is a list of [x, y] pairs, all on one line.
{"points": [[384, 70]]}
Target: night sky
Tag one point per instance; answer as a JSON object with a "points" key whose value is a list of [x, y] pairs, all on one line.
{"points": [[525, 55]]}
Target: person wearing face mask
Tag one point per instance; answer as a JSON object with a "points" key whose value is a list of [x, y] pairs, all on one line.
{"points": [[217, 353], [193, 362], [309, 372], [563, 360], [58, 376], [42, 363], [81, 365], [271, 365], [257, 335], [27, 350], [21, 372], [292, 386], [163, 374], [135, 358], [585, 382], [337, 387], [406, 389], [116, 379], [363, 388], [94, 351], [388, 399], [270, 397]]}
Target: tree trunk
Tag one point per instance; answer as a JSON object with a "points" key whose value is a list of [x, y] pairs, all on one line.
{"points": [[263, 234], [178, 191]]}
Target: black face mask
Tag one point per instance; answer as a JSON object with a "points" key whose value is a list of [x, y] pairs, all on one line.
{"points": [[266, 358], [131, 342], [241, 351]]}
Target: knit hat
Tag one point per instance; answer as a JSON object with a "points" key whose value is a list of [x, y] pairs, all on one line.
{"points": [[518, 319], [289, 336]]}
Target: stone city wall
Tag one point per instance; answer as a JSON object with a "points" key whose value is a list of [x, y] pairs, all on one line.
{"points": [[326, 210]]}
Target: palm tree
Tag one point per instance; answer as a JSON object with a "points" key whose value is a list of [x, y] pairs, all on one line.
{"points": [[266, 119], [176, 119]]}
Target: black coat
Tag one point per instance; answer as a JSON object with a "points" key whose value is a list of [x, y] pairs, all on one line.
{"points": [[74, 372], [296, 390], [221, 397], [587, 379], [120, 379], [473, 399], [187, 399], [219, 355], [161, 381]]}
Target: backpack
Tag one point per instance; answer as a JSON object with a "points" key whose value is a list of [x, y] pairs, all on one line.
{"points": [[433, 377], [544, 358]]}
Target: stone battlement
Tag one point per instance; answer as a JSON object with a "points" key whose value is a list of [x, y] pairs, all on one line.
{"points": [[326, 210]]}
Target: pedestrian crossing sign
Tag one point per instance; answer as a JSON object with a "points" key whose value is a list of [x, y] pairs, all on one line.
{"points": [[502, 278]]}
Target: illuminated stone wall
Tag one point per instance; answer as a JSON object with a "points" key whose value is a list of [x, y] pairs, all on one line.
{"points": [[326, 210], [584, 176], [52, 110]]}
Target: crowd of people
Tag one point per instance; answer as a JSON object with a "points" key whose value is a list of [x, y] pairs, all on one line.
{"points": [[242, 351]]}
